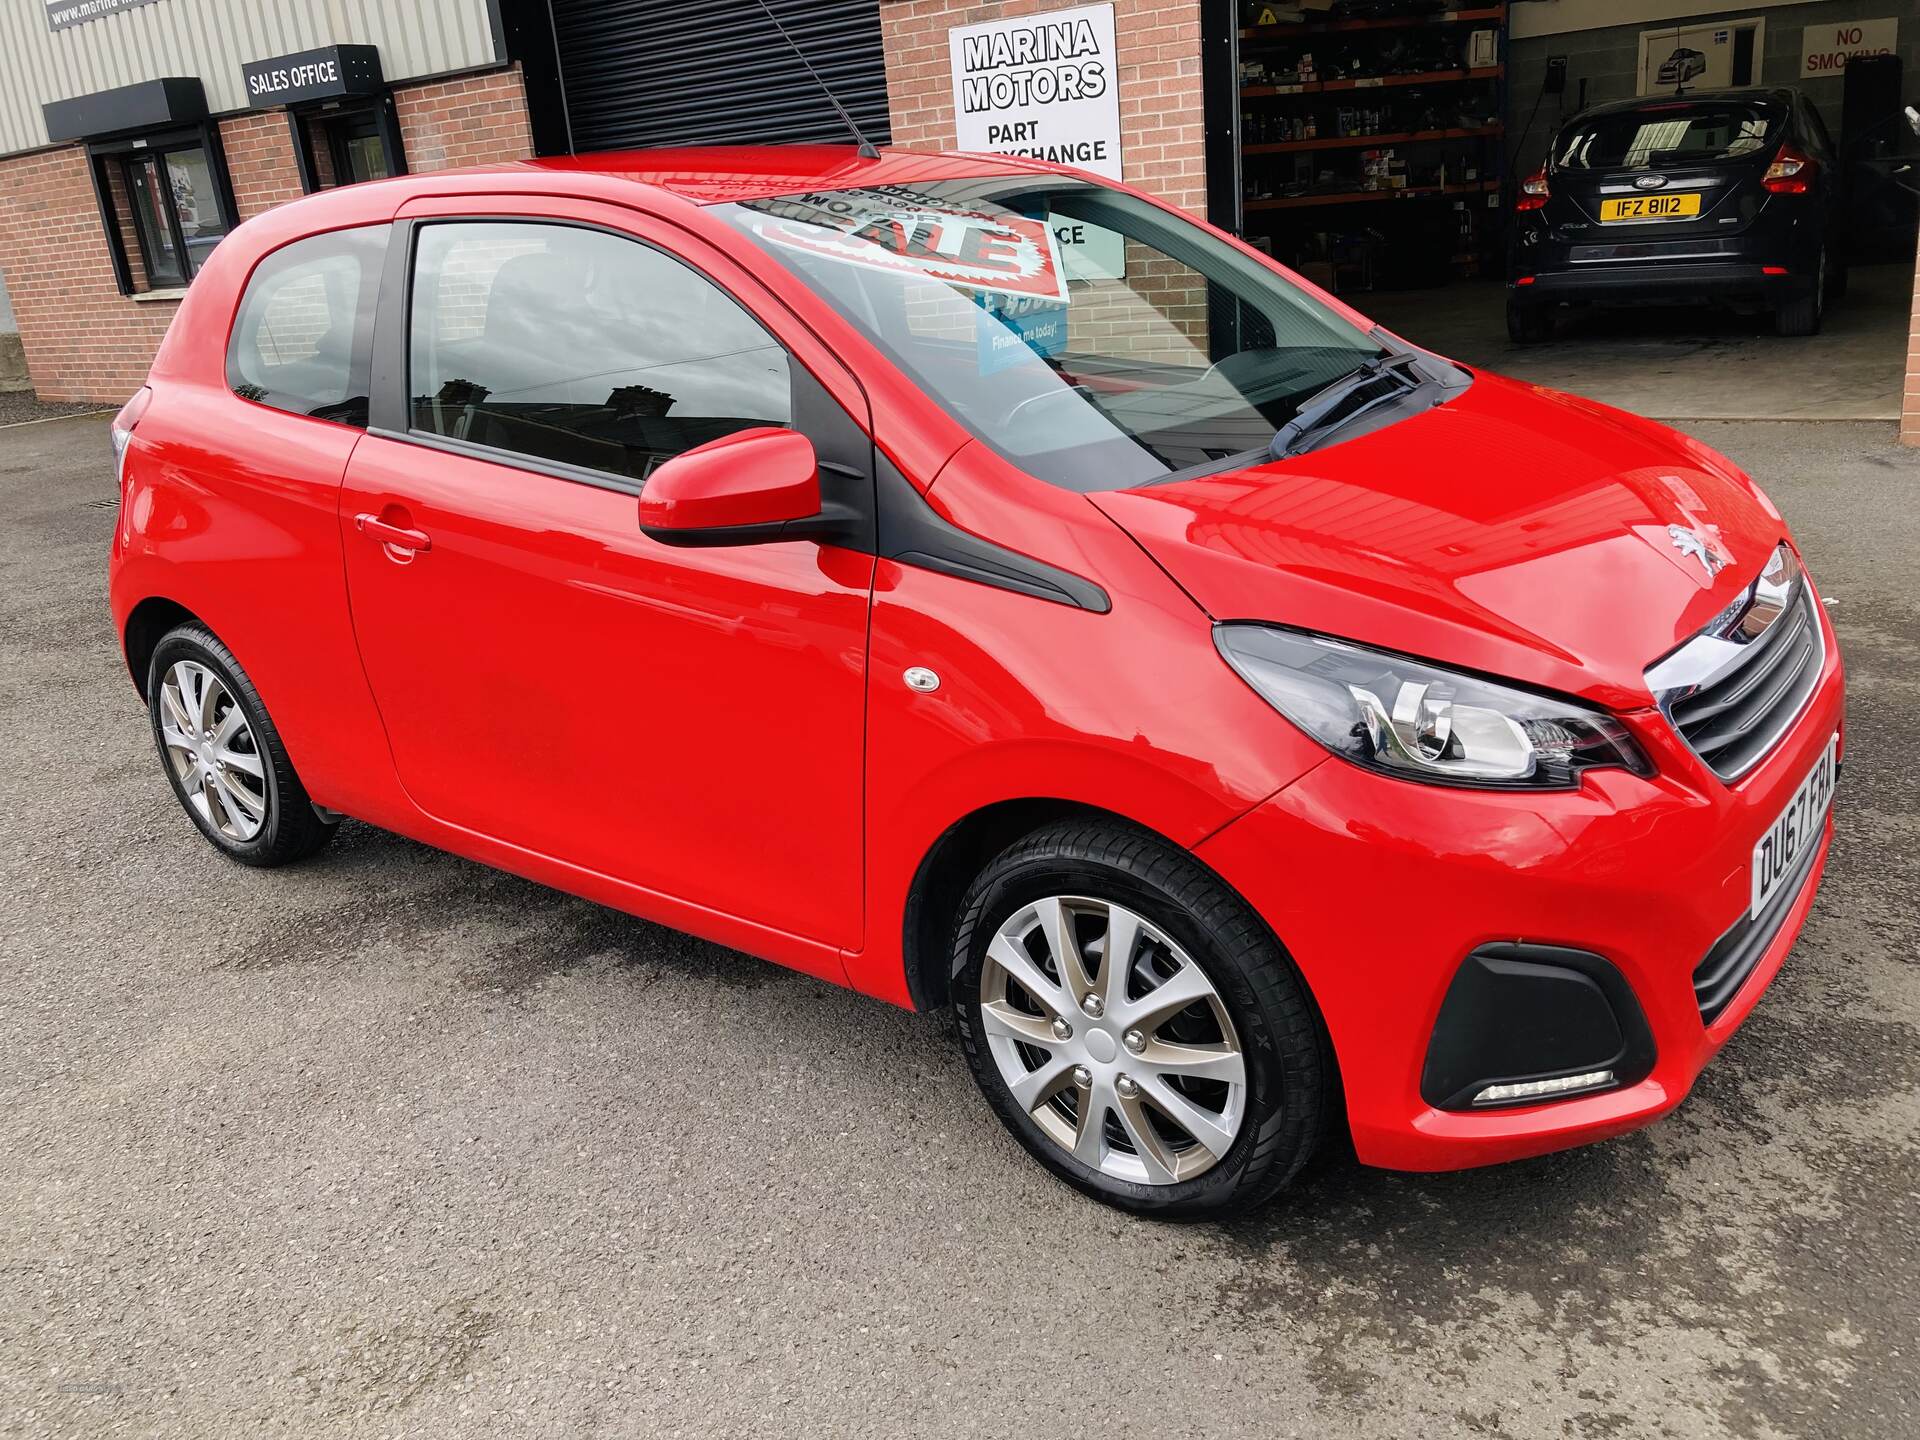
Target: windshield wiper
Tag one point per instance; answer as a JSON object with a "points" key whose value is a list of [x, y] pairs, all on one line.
{"points": [[1322, 410]]}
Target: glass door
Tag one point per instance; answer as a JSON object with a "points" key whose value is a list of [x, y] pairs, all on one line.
{"points": [[152, 222], [360, 155]]}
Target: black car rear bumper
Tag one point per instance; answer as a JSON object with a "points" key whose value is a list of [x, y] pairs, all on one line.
{"points": [[1664, 284]]}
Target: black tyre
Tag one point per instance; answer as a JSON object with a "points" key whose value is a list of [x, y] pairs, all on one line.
{"points": [[223, 756], [1802, 316], [1528, 324], [1798, 317], [1192, 1077]]}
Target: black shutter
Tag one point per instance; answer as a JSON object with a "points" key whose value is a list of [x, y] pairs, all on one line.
{"points": [[716, 72]]}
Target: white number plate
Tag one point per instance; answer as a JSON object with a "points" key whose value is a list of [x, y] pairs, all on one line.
{"points": [[1796, 830]]}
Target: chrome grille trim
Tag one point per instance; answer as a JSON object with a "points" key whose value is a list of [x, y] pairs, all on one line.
{"points": [[1735, 689]]}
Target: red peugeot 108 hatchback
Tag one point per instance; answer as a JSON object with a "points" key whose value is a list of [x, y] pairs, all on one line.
{"points": [[979, 585]]}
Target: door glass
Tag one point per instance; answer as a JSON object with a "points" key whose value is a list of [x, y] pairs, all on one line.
{"points": [[201, 223], [150, 218], [344, 148], [365, 157], [582, 347]]}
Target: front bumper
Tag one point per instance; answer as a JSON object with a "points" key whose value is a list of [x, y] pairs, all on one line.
{"points": [[1381, 888]]}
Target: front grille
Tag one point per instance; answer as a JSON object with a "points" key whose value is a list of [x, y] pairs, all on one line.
{"points": [[1734, 690], [1718, 978], [1734, 721]]}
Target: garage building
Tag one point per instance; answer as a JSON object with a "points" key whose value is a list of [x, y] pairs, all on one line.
{"points": [[1376, 145]]}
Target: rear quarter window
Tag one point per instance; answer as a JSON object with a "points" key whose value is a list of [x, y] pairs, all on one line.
{"points": [[302, 333]]}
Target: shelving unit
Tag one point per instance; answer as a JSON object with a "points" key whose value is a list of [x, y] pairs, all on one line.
{"points": [[1340, 111], [1391, 22], [1354, 197], [1363, 142], [1372, 82]]}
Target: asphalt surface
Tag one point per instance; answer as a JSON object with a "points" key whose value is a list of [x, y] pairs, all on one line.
{"points": [[391, 1144]]}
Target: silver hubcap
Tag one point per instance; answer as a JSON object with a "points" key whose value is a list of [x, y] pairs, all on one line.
{"points": [[212, 751], [1112, 1040]]}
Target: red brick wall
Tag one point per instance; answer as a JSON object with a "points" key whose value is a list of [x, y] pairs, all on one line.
{"points": [[260, 161], [1163, 137], [84, 340], [476, 121], [1910, 405]]}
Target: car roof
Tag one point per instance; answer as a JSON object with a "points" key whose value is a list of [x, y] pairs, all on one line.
{"points": [[712, 175], [1751, 94]]}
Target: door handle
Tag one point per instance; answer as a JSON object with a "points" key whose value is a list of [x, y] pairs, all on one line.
{"points": [[397, 536]]}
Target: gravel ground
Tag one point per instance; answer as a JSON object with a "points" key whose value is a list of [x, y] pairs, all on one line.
{"points": [[389, 1144], [20, 406]]}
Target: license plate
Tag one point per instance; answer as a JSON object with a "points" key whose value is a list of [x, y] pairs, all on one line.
{"points": [[1796, 830], [1650, 207]]}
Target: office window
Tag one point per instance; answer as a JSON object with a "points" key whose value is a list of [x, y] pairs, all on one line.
{"points": [[166, 205]]}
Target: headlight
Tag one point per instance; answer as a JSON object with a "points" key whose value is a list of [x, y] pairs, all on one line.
{"points": [[1420, 722]]}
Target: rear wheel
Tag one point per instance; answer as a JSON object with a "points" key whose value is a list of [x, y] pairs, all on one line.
{"points": [[1803, 316], [223, 756], [1135, 1025], [1528, 323]]}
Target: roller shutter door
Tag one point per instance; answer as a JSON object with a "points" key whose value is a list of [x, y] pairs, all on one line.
{"points": [[715, 72]]}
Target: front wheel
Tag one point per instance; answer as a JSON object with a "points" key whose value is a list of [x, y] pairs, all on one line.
{"points": [[1135, 1025], [223, 756]]}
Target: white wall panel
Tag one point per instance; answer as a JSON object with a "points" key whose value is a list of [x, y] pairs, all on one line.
{"points": [[1529, 18], [213, 39]]}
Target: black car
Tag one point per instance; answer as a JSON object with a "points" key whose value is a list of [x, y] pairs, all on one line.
{"points": [[1727, 196]]}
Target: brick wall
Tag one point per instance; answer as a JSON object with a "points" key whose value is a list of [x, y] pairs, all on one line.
{"points": [[475, 121], [84, 340], [260, 161], [1163, 137], [1910, 404]]}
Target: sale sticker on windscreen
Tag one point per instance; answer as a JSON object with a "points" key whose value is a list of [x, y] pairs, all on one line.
{"points": [[893, 231]]}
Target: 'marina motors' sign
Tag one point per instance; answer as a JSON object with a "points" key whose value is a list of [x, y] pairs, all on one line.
{"points": [[1045, 86]]}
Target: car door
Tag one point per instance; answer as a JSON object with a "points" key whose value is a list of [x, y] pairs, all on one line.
{"points": [[686, 720]]}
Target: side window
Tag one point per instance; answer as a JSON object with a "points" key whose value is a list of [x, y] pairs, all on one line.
{"points": [[300, 340], [581, 347]]}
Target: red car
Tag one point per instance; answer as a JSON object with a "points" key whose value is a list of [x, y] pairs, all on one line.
{"points": [[983, 586]]}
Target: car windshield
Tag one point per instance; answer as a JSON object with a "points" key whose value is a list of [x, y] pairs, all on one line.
{"points": [[1672, 134], [1095, 340]]}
